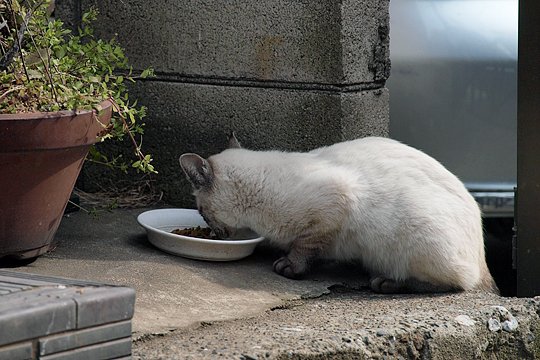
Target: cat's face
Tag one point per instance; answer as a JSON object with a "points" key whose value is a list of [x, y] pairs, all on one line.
{"points": [[213, 195], [210, 211]]}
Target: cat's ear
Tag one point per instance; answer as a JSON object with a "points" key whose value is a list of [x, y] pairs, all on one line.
{"points": [[233, 142], [198, 170]]}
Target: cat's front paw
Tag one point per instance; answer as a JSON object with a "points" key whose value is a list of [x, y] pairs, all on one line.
{"points": [[285, 267]]}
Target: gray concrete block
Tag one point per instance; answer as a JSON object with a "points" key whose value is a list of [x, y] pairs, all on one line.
{"points": [[197, 118], [365, 41], [69, 11], [97, 306], [308, 41], [365, 113], [284, 74], [77, 339], [36, 296], [109, 350], [27, 317], [22, 351], [34, 307]]}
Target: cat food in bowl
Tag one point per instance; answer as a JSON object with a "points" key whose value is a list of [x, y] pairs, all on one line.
{"points": [[198, 232], [161, 223]]}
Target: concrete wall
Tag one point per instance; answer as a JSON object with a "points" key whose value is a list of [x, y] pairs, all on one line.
{"points": [[283, 74]]}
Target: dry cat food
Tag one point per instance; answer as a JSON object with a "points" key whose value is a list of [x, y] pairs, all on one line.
{"points": [[198, 232]]}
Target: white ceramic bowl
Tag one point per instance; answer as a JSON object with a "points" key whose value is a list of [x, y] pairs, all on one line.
{"points": [[159, 224]]}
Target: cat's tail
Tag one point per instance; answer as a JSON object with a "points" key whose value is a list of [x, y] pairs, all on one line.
{"points": [[486, 281]]}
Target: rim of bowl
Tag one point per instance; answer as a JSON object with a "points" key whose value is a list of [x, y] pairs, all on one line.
{"points": [[191, 238]]}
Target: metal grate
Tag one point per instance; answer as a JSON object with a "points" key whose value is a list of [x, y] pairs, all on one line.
{"points": [[9, 288]]}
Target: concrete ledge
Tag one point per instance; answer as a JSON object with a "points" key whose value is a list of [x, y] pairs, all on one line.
{"points": [[43, 317], [353, 324], [243, 310]]}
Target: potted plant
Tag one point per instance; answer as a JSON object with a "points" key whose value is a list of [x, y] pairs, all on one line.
{"points": [[61, 91]]}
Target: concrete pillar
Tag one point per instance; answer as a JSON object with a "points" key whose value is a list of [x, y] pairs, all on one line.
{"points": [[283, 74]]}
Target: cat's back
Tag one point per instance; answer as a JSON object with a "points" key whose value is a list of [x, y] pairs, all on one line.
{"points": [[386, 158], [397, 172], [369, 148]]}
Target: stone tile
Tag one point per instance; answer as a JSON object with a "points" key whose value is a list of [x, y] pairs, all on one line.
{"points": [[21, 351], [76, 339], [27, 318], [109, 350], [96, 306]]}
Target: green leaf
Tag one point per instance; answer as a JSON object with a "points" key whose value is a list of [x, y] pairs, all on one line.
{"points": [[147, 73], [34, 74], [60, 52]]}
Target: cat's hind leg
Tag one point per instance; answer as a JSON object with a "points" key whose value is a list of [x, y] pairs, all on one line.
{"points": [[384, 285]]}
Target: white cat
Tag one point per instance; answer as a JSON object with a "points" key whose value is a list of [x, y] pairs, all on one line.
{"points": [[412, 223]]}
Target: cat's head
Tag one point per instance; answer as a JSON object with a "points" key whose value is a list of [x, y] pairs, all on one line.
{"points": [[213, 191]]}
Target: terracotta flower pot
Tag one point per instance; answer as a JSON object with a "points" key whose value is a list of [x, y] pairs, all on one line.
{"points": [[41, 155]]}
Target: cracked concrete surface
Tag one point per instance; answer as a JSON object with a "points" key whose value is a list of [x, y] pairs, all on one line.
{"points": [[356, 324], [188, 309]]}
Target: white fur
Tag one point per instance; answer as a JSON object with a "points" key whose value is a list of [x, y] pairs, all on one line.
{"points": [[393, 207]]}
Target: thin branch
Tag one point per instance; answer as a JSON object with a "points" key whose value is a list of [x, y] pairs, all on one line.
{"points": [[10, 91], [107, 164], [79, 206], [46, 68], [7, 59], [138, 151]]}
